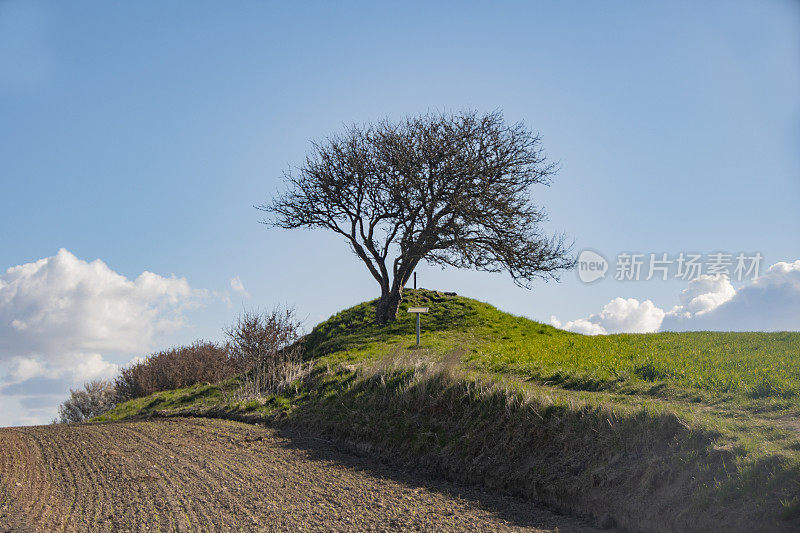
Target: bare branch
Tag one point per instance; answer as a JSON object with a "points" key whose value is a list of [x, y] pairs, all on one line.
{"points": [[450, 189]]}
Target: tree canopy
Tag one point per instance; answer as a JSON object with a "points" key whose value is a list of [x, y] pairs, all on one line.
{"points": [[452, 189]]}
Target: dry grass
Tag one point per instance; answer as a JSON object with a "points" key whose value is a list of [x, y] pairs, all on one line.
{"points": [[265, 348], [643, 467]]}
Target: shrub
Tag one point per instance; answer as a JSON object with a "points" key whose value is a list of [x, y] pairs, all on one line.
{"points": [[94, 399], [178, 367], [265, 348]]}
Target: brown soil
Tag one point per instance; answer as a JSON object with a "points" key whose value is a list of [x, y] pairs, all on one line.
{"points": [[215, 475]]}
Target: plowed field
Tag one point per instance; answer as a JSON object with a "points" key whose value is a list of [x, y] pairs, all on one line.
{"points": [[213, 475]]}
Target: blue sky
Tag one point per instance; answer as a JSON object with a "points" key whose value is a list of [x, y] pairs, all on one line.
{"points": [[142, 134]]}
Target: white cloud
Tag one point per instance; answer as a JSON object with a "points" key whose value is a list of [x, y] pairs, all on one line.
{"points": [[582, 325], [705, 294], [73, 367], [60, 313], [24, 368], [238, 286], [771, 303], [63, 303], [617, 316]]}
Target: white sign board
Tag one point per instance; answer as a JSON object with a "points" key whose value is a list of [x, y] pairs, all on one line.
{"points": [[417, 309]]}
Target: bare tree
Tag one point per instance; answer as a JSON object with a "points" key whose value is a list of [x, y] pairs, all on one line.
{"points": [[452, 189], [265, 348], [94, 399]]}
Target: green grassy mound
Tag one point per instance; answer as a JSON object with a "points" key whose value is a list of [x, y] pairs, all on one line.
{"points": [[652, 432]]}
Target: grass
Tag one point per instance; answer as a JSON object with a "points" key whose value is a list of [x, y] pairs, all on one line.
{"points": [[689, 428], [747, 365]]}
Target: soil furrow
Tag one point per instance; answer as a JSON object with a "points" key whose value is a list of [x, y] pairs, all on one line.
{"points": [[106, 471], [53, 512], [192, 487], [232, 470], [172, 486], [215, 475]]}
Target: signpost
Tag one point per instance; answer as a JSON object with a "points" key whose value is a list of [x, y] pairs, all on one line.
{"points": [[418, 311]]}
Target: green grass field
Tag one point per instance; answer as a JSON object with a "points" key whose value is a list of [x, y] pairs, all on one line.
{"points": [[753, 365], [756, 370], [713, 417]]}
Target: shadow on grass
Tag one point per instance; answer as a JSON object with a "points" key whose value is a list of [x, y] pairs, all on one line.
{"points": [[639, 467], [519, 512]]}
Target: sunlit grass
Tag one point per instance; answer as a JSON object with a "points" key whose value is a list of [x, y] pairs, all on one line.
{"points": [[705, 365]]}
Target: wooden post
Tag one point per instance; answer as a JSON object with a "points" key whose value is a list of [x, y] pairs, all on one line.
{"points": [[418, 311]]}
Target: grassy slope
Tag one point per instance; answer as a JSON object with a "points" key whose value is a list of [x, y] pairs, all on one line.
{"points": [[669, 430]]}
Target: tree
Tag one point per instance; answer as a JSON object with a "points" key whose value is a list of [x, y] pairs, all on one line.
{"points": [[452, 189], [264, 348], [96, 398]]}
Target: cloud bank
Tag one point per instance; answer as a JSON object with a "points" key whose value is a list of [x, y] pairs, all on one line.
{"points": [[770, 303], [60, 315], [618, 315]]}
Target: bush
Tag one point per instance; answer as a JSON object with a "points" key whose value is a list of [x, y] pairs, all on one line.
{"points": [[94, 399], [265, 348], [175, 368]]}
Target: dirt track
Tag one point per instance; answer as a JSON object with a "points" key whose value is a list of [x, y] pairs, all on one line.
{"points": [[212, 475]]}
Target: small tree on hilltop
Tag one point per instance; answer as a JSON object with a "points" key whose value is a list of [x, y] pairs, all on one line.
{"points": [[265, 349], [94, 399], [452, 189]]}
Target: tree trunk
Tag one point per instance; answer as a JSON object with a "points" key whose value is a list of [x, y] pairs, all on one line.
{"points": [[386, 310]]}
